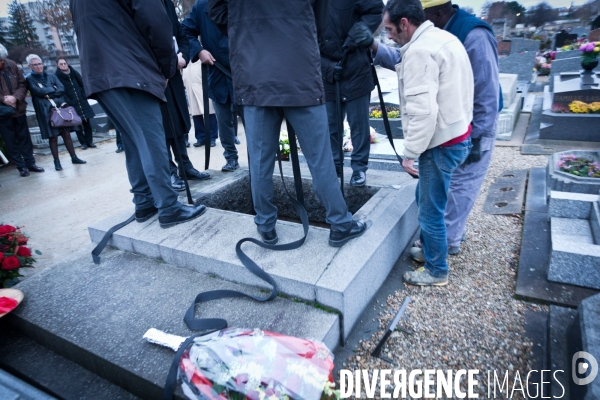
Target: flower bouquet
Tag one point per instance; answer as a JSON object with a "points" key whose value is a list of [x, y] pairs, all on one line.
{"points": [[392, 112], [579, 166], [14, 255], [251, 364], [589, 53]]}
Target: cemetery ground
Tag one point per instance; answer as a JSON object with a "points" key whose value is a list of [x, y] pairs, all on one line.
{"points": [[475, 322]]}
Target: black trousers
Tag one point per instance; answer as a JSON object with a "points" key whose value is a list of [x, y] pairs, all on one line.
{"points": [[187, 164], [16, 136], [85, 135]]}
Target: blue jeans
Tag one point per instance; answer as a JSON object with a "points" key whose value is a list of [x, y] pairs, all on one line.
{"points": [[263, 125], [357, 111], [226, 131], [199, 127], [435, 172]]}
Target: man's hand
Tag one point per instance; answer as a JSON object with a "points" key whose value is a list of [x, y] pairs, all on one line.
{"points": [[408, 166], [206, 58], [180, 61], [360, 35], [10, 101], [475, 154]]}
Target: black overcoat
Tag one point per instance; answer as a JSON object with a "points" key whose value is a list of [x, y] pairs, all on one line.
{"points": [[75, 93], [123, 44], [176, 107], [40, 86]]}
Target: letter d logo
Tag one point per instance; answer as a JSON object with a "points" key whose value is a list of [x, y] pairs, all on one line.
{"points": [[581, 368]]}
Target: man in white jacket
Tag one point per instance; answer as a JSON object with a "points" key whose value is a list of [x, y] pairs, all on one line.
{"points": [[435, 83]]}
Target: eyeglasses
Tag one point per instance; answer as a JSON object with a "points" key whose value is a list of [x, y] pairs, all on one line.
{"points": [[36, 64]]}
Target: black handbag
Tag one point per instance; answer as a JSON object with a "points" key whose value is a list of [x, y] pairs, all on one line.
{"points": [[7, 111]]}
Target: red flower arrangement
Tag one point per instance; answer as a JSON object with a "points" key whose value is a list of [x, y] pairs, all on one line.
{"points": [[14, 255]]}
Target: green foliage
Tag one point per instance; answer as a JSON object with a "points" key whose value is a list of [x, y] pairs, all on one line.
{"points": [[22, 31]]}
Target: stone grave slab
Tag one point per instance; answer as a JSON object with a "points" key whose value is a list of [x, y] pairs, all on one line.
{"points": [[575, 257], [534, 259], [507, 119], [520, 45], [343, 278], [561, 55], [565, 182], [563, 65], [508, 82], [560, 321], [589, 321], [506, 195], [100, 314], [520, 64]]}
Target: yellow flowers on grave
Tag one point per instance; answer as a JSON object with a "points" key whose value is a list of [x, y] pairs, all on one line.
{"points": [[579, 107]]}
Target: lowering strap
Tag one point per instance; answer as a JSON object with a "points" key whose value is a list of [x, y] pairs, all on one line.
{"points": [[102, 244], [214, 324], [206, 116], [386, 122]]}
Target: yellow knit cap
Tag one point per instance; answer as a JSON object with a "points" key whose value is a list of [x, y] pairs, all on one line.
{"points": [[433, 3]]}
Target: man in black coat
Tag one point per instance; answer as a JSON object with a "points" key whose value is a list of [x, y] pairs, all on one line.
{"points": [[73, 83], [175, 113], [127, 55], [349, 21], [276, 72]]}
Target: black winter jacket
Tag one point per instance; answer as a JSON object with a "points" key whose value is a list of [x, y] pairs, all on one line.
{"points": [[357, 79], [74, 92], [274, 58], [42, 86], [124, 44]]}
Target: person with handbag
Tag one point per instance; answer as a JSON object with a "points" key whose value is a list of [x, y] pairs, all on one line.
{"points": [[13, 122], [47, 94], [75, 94]]}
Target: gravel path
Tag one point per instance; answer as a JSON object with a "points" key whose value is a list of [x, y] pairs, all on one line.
{"points": [[474, 322]]}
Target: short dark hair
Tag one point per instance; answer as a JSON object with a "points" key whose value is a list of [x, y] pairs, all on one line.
{"points": [[412, 10], [61, 58]]}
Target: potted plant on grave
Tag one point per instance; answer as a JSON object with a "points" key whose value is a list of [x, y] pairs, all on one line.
{"points": [[589, 55], [14, 255], [579, 166], [376, 119]]}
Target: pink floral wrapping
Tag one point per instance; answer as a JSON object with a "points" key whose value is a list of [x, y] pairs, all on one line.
{"points": [[239, 363]]}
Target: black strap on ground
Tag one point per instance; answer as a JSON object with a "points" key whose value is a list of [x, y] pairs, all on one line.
{"points": [[214, 324], [100, 246], [206, 116]]}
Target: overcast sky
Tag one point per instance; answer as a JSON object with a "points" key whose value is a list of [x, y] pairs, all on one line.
{"points": [[476, 4]]}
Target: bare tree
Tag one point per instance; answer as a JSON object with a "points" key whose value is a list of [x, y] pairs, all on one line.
{"points": [[56, 14]]}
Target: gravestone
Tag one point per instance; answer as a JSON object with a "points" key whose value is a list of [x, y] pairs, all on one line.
{"points": [[520, 64], [508, 116], [580, 31], [594, 35], [572, 64], [558, 121], [561, 55], [504, 48], [519, 45], [563, 38]]}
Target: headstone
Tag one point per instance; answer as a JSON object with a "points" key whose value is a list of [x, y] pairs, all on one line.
{"points": [[594, 35], [504, 47], [520, 64], [580, 31], [520, 45], [508, 82], [572, 64], [564, 182], [563, 38], [569, 87], [561, 55]]}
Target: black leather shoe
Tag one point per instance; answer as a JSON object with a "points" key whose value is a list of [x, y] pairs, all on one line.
{"points": [[184, 214], [177, 183], [338, 239], [84, 147], [35, 168], [23, 171], [268, 237], [231, 166], [359, 178], [77, 160], [194, 174], [145, 214], [198, 144], [119, 150], [93, 146], [57, 165]]}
